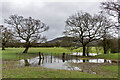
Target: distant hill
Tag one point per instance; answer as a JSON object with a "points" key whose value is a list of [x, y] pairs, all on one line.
{"points": [[60, 39], [67, 41], [57, 42]]}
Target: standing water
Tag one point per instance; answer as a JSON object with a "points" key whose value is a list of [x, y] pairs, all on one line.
{"points": [[59, 61]]}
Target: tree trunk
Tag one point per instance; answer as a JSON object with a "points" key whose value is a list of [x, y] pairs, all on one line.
{"points": [[105, 50], [119, 42], [83, 50], [27, 45], [87, 50], [3, 47], [119, 33], [26, 49], [104, 45], [83, 60], [87, 54]]}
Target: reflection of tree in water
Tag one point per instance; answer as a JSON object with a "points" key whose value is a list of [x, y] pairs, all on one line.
{"points": [[41, 58], [45, 58], [39, 63], [84, 61], [51, 57], [63, 57], [26, 62]]}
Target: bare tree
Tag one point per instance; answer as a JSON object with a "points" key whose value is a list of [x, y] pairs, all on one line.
{"points": [[112, 8], [27, 29], [106, 44], [108, 34], [86, 28], [7, 36]]}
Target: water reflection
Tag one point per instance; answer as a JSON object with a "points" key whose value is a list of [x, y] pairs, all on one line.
{"points": [[91, 61], [80, 54], [26, 62], [59, 61]]}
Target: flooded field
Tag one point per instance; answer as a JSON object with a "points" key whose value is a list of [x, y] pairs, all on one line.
{"points": [[60, 61]]}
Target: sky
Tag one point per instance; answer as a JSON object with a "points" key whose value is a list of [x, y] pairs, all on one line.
{"points": [[51, 12]]}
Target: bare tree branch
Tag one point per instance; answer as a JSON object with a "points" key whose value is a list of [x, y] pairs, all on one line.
{"points": [[27, 29], [86, 28]]}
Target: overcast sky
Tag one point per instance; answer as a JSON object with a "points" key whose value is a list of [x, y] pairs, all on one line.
{"points": [[53, 13]]}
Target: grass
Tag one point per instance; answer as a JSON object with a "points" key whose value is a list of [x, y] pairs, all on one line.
{"points": [[36, 50], [111, 69], [104, 70], [10, 71], [39, 72], [92, 50], [11, 53], [108, 56], [57, 50]]}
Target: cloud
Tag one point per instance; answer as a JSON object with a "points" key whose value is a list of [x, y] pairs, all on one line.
{"points": [[53, 14]]}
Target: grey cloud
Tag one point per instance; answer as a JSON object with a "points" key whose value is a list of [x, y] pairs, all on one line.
{"points": [[53, 14]]}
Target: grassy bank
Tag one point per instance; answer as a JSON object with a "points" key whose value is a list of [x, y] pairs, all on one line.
{"points": [[108, 56], [40, 72], [104, 69]]}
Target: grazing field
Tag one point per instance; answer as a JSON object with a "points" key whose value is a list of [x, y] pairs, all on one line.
{"points": [[10, 53], [11, 56], [92, 50]]}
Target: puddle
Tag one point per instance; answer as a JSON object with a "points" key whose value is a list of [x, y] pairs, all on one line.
{"points": [[59, 61], [48, 62]]}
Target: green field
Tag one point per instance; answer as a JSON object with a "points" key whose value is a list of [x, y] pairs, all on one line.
{"points": [[11, 53], [92, 50], [108, 56], [40, 72], [10, 57]]}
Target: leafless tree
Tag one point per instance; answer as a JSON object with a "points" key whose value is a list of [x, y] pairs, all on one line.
{"points": [[6, 36], [112, 8], [106, 43], [27, 29], [108, 34], [86, 28]]}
